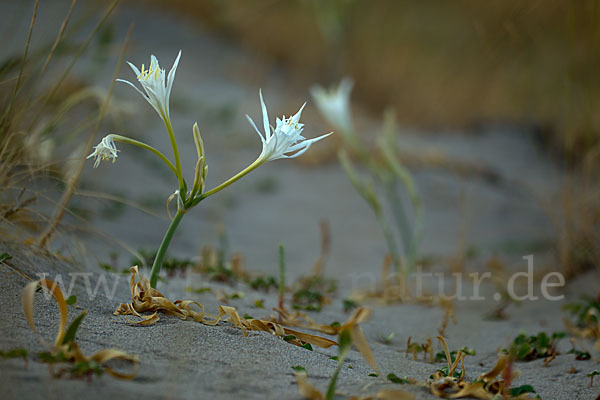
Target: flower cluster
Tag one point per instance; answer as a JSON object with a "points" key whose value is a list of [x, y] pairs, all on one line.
{"points": [[283, 141]]}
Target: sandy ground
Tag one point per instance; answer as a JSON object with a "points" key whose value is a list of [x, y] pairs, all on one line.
{"points": [[282, 202], [185, 360]]}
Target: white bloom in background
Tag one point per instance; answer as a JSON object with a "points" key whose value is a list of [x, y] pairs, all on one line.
{"points": [[157, 89], [105, 150], [334, 104], [285, 137]]}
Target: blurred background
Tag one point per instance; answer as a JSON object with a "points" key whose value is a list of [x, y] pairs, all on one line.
{"points": [[439, 64], [495, 106]]}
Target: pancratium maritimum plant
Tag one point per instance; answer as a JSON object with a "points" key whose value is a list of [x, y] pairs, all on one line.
{"points": [[285, 140], [386, 173]]}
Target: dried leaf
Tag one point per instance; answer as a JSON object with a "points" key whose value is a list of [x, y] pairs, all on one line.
{"points": [[65, 344], [145, 298]]}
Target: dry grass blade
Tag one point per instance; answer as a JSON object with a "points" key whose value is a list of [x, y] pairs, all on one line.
{"points": [[44, 239], [22, 66], [65, 349], [319, 265]]}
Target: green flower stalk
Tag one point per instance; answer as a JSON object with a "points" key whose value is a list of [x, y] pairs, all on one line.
{"points": [[385, 172], [283, 141]]}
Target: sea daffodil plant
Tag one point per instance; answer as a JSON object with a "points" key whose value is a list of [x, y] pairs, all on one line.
{"points": [[282, 141]]}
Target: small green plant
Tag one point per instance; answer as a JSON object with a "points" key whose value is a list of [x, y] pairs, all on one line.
{"points": [[299, 368], [264, 283], [395, 379], [14, 353], [580, 354], [584, 312], [527, 348], [440, 356], [415, 348], [5, 257], [585, 318], [591, 375], [312, 292], [521, 390], [65, 349], [387, 339], [349, 305], [283, 141], [198, 290]]}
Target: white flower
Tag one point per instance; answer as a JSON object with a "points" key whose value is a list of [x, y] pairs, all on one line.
{"points": [[157, 89], [285, 137], [334, 104], [104, 150]]}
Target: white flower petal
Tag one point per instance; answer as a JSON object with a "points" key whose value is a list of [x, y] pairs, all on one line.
{"points": [[156, 85], [105, 150], [136, 71], [265, 115], [285, 138], [255, 128]]}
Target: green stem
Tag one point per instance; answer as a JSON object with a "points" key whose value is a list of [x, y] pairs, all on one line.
{"points": [[162, 250], [389, 238], [345, 342], [182, 185], [258, 162], [124, 139]]}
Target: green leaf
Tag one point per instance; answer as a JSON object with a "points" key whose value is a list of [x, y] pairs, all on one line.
{"points": [[593, 373], [523, 351], [73, 327], [373, 374], [345, 341], [335, 358], [288, 338], [5, 256], [299, 368], [395, 379], [468, 351], [71, 300], [14, 353], [199, 290], [349, 304], [307, 346], [519, 390]]}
